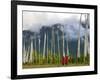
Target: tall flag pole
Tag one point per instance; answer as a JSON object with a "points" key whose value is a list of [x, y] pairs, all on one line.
{"points": [[88, 23], [53, 44], [39, 47], [51, 52], [86, 38], [58, 43], [63, 58], [31, 52], [47, 47], [24, 53], [28, 54], [78, 49], [67, 43], [58, 47], [44, 46], [35, 47], [67, 46], [62, 28]]}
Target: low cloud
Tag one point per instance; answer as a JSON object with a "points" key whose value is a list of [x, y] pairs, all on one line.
{"points": [[34, 21]]}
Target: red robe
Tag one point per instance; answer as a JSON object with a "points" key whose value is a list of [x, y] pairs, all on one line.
{"points": [[64, 60]]}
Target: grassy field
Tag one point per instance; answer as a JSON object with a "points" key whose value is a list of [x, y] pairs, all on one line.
{"points": [[27, 66], [56, 61]]}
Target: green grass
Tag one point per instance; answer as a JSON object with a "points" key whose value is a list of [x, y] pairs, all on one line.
{"points": [[55, 61], [27, 66]]}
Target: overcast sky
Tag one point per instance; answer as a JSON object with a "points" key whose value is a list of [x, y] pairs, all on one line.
{"points": [[35, 20], [45, 18]]}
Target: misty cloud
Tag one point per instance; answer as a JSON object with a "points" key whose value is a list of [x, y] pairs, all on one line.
{"points": [[33, 21]]}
